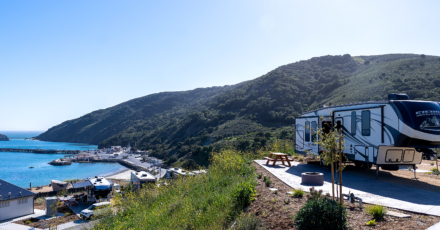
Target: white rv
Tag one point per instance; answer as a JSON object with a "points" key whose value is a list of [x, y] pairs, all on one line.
{"points": [[384, 133]]}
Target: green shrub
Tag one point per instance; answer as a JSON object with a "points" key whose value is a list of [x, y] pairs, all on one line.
{"points": [[371, 223], [435, 171], [248, 222], [259, 176], [67, 214], [28, 222], [314, 194], [244, 195], [298, 193], [40, 200], [377, 211], [320, 214], [300, 158], [267, 180]]}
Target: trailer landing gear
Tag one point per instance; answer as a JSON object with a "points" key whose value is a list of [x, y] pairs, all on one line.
{"points": [[377, 172], [414, 169]]}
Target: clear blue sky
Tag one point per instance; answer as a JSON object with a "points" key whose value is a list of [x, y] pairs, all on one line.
{"points": [[62, 59]]}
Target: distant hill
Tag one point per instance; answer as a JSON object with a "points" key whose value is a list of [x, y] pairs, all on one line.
{"points": [[3, 138], [189, 124]]}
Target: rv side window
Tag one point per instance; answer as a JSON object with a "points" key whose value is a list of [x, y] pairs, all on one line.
{"points": [[307, 131], [366, 123], [313, 130], [353, 123]]}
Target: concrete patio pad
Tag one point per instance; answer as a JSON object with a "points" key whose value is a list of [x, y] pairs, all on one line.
{"points": [[369, 190], [12, 226], [8, 225]]}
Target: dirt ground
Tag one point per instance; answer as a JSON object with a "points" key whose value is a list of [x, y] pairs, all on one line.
{"points": [[273, 212], [46, 188]]}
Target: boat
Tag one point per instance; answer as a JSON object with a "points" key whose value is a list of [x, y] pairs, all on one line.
{"points": [[31, 167]]}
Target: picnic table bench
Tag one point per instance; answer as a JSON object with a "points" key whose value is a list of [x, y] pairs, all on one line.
{"points": [[278, 157]]}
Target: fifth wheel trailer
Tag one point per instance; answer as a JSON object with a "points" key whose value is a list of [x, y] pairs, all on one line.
{"points": [[384, 133]]}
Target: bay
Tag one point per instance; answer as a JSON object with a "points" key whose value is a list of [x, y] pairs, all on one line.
{"points": [[14, 166]]}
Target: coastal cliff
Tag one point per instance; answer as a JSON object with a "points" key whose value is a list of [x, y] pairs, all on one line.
{"points": [[3, 138]]}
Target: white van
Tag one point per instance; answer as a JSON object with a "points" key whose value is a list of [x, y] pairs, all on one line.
{"points": [[96, 210]]}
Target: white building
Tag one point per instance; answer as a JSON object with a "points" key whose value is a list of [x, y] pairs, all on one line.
{"points": [[177, 172], [15, 201], [140, 177]]}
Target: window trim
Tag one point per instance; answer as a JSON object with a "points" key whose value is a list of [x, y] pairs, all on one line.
{"points": [[307, 132], [23, 201], [4, 204], [314, 127], [353, 123], [369, 123]]}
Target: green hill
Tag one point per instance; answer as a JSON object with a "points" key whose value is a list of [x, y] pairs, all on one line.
{"points": [[188, 125]]}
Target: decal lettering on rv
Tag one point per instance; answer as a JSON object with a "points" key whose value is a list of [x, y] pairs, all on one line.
{"points": [[427, 113]]}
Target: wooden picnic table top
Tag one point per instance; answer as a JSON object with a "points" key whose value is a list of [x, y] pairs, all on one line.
{"points": [[279, 154]]}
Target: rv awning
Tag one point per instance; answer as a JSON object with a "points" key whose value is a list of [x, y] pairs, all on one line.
{"points": [[82, 184]]}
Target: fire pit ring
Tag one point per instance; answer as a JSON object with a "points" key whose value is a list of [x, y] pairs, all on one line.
{"points": [[312, 178]]}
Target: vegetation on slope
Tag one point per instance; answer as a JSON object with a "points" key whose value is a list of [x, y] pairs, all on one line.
{"points": [[210, 201], [187, 126]]}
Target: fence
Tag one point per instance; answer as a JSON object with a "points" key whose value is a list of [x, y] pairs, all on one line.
{"points": [[54, 193]]}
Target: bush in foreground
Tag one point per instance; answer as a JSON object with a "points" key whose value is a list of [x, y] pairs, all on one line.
{"points": [[210, 201], [248, 222], [322, 214], [299, 193], [377, 211]]}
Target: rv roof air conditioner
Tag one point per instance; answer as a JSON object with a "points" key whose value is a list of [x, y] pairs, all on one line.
{"points": [[397, 96]]}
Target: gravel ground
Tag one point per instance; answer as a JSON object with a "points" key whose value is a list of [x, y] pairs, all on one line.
{"points": [[273, 213]]}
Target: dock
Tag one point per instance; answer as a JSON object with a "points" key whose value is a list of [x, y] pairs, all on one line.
{"points": [[45, 151]]}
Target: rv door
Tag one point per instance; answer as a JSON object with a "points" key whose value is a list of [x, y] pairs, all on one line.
{"points": [[307, 134]]}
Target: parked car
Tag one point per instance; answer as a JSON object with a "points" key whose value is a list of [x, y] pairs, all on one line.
{"points": [[96, 210], [428, 154]]}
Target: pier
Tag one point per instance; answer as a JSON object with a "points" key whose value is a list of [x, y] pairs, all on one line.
{"points": [[45, 151]]}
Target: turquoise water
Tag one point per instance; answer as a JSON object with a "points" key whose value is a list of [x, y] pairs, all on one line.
{"points": [[14, 167]]}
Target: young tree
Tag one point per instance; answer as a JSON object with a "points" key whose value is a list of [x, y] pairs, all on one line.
{"points": [[437, 151], [332, 144]]}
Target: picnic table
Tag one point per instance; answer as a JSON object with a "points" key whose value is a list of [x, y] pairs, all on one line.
{"points": [[68, 200], [278, 157]]}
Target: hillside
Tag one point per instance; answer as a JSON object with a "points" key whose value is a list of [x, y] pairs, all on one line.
{"points": [[188, 125], [3, 138]]}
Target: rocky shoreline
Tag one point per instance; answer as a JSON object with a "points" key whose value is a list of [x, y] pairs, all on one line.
{"points": [[61, 162], [3, 138]]}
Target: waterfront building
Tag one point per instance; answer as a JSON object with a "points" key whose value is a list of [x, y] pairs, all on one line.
{"points": [[15, 201]]}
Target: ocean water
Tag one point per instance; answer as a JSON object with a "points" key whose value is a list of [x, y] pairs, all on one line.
{"points": [[14, 167]]}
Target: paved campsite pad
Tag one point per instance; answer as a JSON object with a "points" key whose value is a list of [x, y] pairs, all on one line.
{"points": [[273, 213], [369, 190], [398, 214]]}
